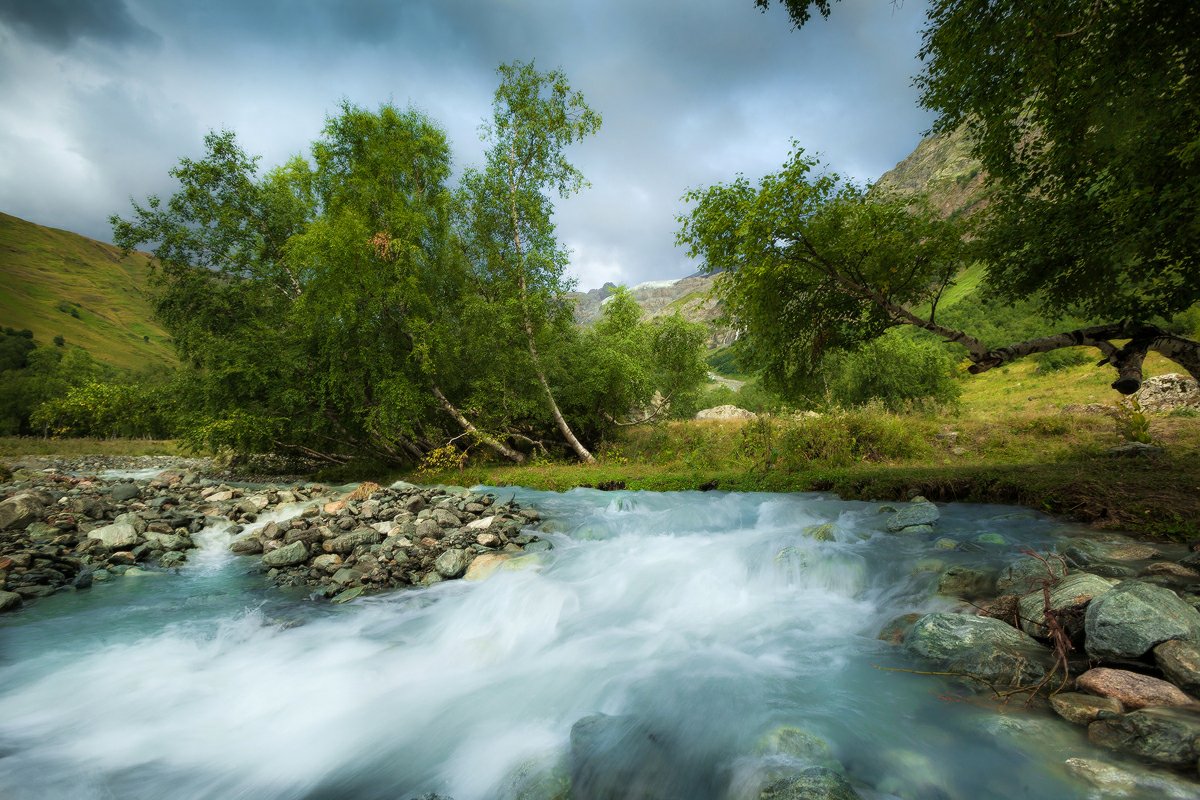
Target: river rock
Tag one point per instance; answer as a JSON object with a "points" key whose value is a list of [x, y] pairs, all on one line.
{"points": [[1067, 599], [917, 513], [484, 565], [1180, 662], [825, 532], [1132, 689], [124, 492], [19, 510], [9, 601], [1082, 709], [979, 647], [345, 544], [1164, 735], [1086, 552], [117, 536], [1028, 573], [1127, 782], [895, 631], [247, 546], [814, 783], [1133, 617], [966, 582], [287, 556], [452, 563], [328, 562], [620, 757]]}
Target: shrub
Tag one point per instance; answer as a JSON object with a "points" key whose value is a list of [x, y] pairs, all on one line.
{"points": [[1065, 358], [896, 369]]}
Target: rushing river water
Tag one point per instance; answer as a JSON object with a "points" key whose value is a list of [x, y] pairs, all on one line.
{"points": [[707, 617]]}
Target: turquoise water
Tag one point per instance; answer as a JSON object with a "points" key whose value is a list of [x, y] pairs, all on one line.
{"points": [[708, 617]]}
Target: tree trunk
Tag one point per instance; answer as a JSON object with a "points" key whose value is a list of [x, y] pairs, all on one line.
{"points": [[492, 442]]}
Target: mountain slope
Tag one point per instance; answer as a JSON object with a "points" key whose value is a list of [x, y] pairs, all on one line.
{"points": [[54, 282]]}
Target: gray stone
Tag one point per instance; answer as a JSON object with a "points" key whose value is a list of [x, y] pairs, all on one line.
{"points": [[1027, 573], [247, 546], [1131, 782], [1082, 709], [19, 510], [287, 556], [327, 562], [1164, 735], [1180, 663], [345, 576], [117, 536], [913, 514], [966, 582], [1163, 393], [9, 601], [1069, 595], [345, 544], [620, 757], [172, 559], [814, 783], [452, 563], [445, 518], [124, 492], [539, 546], [427, 528], [1134, 617], [131, 518], [979, 647]]}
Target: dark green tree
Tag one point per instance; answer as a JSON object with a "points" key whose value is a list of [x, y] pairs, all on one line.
{"points": [[1086, 117]]}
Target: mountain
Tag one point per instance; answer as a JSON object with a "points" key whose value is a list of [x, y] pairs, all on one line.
{"points": [[58, 283], [941, 166]]}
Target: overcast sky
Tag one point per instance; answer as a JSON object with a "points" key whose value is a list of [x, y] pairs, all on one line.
{"points": [[100, 98]]}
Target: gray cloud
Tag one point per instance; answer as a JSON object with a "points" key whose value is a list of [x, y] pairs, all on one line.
{"points": [[59, 23], [691, 92]]}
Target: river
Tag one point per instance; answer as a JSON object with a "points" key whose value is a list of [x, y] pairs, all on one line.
{"points": [[706, 619]]}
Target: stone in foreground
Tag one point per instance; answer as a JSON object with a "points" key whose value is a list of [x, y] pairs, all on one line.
{"points": [[1169, 736], [1082, 709], [979, 647], [1134, 617], [1132, 689]]}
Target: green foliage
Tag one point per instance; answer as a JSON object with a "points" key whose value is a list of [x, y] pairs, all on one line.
{"points": [[1057, 360], [44, 373], [836, 439], [108, 410], [813, 263], [1132, 424], [1091, 147], [896, 369], [14, 348]]}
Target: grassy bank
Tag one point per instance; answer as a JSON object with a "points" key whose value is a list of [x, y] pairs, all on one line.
{"points": [[1058, 463], [17, 446]]}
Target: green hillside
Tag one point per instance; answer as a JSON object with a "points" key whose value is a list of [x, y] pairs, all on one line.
{"points": [[54, 282]]}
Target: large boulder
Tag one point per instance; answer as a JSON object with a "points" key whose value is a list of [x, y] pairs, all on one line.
{"points": [[345, 544], [9, 601], [1128, 781], [1067, 597], [1028, 573], [1132, 689], [912, 515], [979, 647], [1168, 392], [19, 510], [1134, 617], [1169, 736], [725, 412], [117, 536], [452, 563], [287, 556]]}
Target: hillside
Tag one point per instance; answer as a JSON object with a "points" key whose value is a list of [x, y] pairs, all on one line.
{"points": [[689, 296], [942, 167], [54, 282]]}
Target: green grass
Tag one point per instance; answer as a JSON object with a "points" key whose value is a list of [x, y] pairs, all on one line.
{"points": [[17, 446], [55, 282]]}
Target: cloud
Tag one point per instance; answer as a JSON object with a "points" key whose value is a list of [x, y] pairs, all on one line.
{"points": [[104, 98], [60, 23]]}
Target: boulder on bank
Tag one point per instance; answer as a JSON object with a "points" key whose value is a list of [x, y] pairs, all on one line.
{"points": [[19, 511], [1169, 736], [1068, 598], [1168, 392], [1180, 662], [1132, 689], [979, 647], [917, 513], [725, 412], [1128, 621]]}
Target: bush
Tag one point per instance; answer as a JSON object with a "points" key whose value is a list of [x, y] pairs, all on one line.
{"points": [[840, 439], [1062, 359], [896, 369]]}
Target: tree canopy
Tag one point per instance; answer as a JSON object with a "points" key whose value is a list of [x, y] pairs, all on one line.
{"points": [[353, 301], [1086, 117]]}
